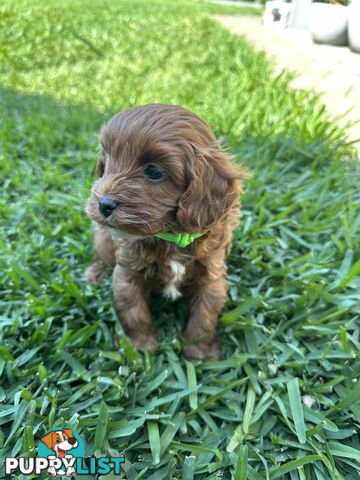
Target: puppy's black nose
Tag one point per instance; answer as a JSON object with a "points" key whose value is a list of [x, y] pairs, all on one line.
{"points": [[107, 206], [72, 441]]}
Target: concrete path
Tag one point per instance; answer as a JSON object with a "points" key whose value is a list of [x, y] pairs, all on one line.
{"points": [[334, 72]]}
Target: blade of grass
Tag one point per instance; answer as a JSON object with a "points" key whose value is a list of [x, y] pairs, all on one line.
{"points": [[189, 468], [241, 471], [154, 439], [102, 425], [296, 409], [249, 408], [287, 467]]}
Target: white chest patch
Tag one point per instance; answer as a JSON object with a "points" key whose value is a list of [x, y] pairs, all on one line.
{"points": [[177, 274]]}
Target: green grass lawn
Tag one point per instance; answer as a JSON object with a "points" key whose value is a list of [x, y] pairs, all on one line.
{"points": [[285, 400]]}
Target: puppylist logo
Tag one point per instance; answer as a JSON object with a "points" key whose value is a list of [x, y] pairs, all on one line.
{"points": [[61, 451]]}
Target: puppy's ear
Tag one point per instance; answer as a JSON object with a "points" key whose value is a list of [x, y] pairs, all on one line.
{"points": [[100, 165], [49, 440], [213, 187]]}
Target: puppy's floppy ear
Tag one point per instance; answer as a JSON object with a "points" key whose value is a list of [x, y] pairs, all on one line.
{"points": [[100, 165], [213, 187], [49, 440]]}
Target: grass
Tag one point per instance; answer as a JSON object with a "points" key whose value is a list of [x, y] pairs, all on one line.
{"points": [[285, 400]]}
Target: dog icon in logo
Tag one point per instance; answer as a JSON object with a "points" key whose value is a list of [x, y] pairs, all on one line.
{"points": [[61, 442]]}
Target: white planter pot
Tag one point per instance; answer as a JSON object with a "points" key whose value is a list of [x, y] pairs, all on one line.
{"points": [[354, 25], [329, 23]]}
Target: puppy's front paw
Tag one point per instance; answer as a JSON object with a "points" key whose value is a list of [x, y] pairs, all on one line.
{"points": [[145, 342], [52, 471], [70, 471], [203, 350], [96, 272]]}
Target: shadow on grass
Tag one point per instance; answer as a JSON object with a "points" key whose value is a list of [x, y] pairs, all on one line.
{"points": [[292, 309], [49, 157]]}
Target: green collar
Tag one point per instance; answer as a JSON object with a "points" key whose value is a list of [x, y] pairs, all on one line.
{"points": [[182, 240]]}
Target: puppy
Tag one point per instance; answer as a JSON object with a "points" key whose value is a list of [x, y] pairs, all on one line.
{"points": [[165, 205], [60, 441]]}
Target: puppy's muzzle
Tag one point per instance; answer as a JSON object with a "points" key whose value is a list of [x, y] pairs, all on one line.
{"points": [[107, 206]]}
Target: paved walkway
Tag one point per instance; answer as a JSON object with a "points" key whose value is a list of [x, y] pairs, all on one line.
{"points": [[334, 72]]}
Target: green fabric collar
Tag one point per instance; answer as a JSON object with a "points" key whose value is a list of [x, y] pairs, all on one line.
{"points": [[182, 240]]}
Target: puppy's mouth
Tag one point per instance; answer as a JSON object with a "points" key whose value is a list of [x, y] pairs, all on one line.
{"points": [[61, 452], [127, 230], [125, 222], [116, 233]]}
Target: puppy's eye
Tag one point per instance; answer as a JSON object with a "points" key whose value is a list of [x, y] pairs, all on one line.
{"points": [[153, 173]]}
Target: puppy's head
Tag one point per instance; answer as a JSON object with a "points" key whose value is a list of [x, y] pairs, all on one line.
{"points": [[60, 440], [161, 168]]}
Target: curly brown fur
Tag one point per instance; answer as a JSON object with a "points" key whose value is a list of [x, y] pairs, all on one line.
{"points": [[199, 192]]}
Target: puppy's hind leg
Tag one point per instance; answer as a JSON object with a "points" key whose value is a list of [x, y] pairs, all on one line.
{"points": [[105, 257]]}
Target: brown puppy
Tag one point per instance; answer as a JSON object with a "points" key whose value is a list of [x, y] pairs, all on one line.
{"points": [[61, 441], [161, 169]]}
